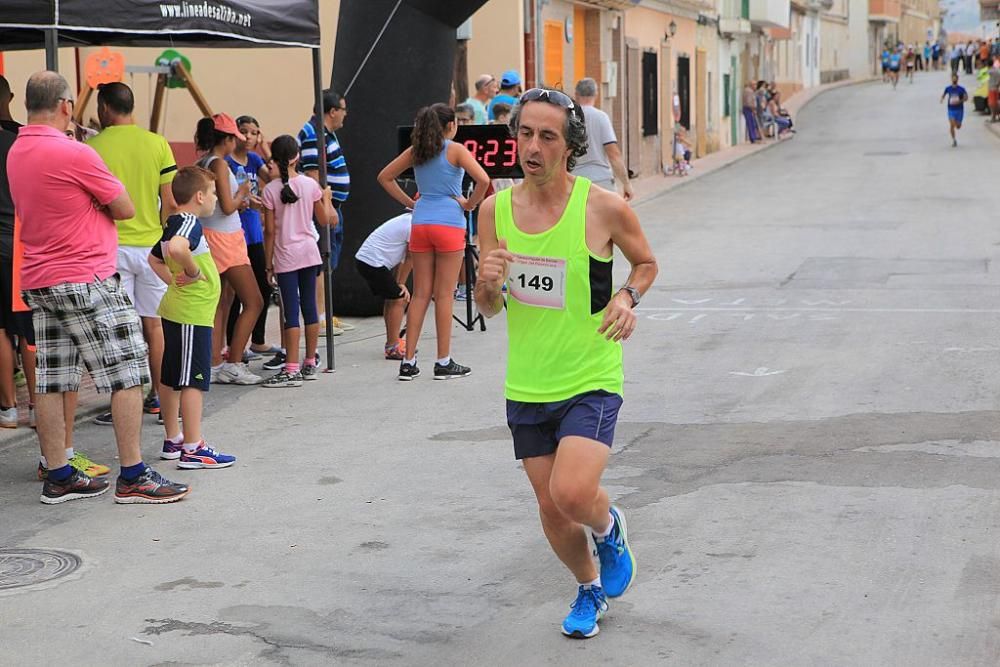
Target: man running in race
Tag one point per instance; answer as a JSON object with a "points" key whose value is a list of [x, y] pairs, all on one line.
{"points": [[894, 61], [911, 63], [957, 97], [885, 65], [552, 239]]}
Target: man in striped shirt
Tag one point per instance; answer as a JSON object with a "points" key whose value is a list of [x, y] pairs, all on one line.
{"points": [[337, 176]]}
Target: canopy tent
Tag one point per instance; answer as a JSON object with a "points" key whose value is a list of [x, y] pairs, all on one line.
{"points": [[34, 24], [24, 23]]}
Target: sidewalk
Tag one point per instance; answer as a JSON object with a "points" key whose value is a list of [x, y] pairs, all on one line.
{"points": [[646, 188], [654, 185]]}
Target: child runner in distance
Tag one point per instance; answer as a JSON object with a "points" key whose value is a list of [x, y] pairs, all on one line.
{"points": [[293, 259], [957, 97], [383, 262], [183, 261]]}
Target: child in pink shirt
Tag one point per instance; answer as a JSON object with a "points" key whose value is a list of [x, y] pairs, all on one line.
{"points": [[293, 259]]}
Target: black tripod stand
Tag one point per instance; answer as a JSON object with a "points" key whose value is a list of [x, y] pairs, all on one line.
{"points": [[471, 269]]}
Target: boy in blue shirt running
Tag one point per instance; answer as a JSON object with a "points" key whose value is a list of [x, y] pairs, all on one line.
{"points": [[957, 96]]}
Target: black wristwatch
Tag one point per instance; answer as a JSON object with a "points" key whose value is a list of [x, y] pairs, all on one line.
{"points": [[632, 292]]}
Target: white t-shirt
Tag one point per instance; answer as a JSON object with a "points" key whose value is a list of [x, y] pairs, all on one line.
{"points": [[594, 164], [386, 246]]}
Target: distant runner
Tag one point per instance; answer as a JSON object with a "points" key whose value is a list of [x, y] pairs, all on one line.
{"points": [[957, 97]]}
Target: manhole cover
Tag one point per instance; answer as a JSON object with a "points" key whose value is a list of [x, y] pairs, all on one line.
{"points": [[27, 567], [889, 153]]}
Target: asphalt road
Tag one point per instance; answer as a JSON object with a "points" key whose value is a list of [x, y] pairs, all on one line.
{"points": [[808, 455]]}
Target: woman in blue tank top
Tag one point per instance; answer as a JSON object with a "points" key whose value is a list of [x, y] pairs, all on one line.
{"points": [[437, 238]]}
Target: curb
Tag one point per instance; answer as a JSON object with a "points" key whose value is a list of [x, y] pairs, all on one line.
{"points": [[810, 95]]}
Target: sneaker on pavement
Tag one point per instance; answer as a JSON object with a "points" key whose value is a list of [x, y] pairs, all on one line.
{"points": [[75, 487], [149, 488], [87, 467], [276, 363], [461, 294], [249, 355], [617, 560], [283, 379], [205, 457], [341, 324], [151, 406], [589, 608], [8, 418], [104, 419], [408, 371], [237, 374], [309, 372], [171, 451], [396, 352], [337, 331], [451, 371]]}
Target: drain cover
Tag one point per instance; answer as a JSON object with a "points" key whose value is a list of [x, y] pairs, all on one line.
{"points": [[27, 567]]}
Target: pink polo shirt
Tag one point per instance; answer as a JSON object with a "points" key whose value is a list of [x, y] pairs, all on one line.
{"points": [[56, 184]]}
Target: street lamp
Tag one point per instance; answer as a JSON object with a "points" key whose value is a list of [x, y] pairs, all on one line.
{"points": [[673, 27]]}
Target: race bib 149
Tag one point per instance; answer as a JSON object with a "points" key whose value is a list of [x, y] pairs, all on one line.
{"points": [[538, 281]]}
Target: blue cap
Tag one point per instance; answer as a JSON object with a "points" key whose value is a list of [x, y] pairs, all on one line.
{"points": [[510, 78]]}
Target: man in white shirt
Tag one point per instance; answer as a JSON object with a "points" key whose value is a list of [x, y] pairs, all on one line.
{"points": [[383, 262], [602, 163]]}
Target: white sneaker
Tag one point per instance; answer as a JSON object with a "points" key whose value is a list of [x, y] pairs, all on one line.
{"points": [[217, 377], [341, 324], [8, 418], [237, 374], [337, 331]]}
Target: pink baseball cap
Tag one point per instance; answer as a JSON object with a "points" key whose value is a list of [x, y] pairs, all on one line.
{"points": [[223, 122]]}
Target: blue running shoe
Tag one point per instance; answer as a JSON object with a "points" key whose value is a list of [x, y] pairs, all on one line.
{"points": [[617, 561], [589, 608], [171, 451], [205, 457]]}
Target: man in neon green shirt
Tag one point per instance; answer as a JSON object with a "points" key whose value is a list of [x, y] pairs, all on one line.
{"points": [[145, 165], [551, 239]]}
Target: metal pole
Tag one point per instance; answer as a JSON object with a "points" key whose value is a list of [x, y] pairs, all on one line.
{"points": [[324, 231], [52, 49]]}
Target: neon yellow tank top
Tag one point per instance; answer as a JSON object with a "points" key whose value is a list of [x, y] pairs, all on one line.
{"points": [[558, 291]]}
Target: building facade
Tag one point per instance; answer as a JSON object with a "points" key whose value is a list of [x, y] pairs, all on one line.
{"points": [[660, 64]]}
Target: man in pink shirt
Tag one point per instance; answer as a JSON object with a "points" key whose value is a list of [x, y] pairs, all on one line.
{"points": [[68, 202]]}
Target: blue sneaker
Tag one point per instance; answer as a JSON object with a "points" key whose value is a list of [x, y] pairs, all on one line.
{"points": [[171, 451], [589, 608], [205, 457], [617, 561]]}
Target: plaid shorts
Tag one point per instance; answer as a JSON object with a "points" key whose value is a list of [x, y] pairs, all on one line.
{"points": [[93, 321]]}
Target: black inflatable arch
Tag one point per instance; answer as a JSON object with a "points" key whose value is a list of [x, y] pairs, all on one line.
{"points": [[410, 67]]}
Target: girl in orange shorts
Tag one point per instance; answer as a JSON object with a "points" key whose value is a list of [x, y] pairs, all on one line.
{"points": [[216, 137], [437, 237]]}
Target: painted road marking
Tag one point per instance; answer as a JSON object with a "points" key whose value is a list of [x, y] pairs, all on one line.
{"points": [[758, 373]]}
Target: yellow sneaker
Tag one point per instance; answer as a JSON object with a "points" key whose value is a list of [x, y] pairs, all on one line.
{"points": [[88, 467]]}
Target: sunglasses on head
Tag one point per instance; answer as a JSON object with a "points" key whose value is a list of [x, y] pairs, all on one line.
{"points": [[551, 96]]}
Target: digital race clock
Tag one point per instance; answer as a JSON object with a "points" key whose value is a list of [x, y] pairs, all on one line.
{"points": [[491, 145]]}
